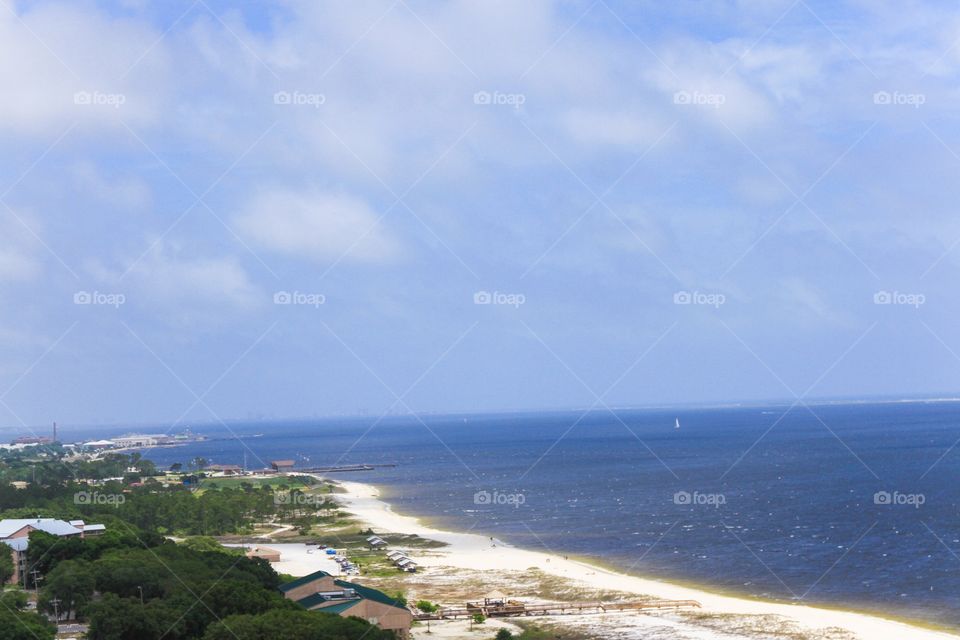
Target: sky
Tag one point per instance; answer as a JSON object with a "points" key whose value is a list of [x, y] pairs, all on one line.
{"points": [[213, 210]]}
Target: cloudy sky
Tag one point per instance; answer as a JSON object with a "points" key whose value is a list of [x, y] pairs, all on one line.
{"points": [[285, 208]]}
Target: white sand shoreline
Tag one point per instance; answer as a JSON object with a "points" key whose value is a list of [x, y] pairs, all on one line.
{"points": [[473, 551]]}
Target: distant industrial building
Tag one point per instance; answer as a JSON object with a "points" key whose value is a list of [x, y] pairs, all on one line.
{"points": [[143, 440]]}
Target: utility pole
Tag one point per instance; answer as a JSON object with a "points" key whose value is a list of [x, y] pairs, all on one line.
{"points": [[56, 609], [140, 589], [36, 581]]}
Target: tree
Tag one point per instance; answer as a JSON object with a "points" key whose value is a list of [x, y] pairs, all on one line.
{"points": [[294, 625], [6, 564], [426, 606], [68, 589], [504, 634], [17, 624], [116, 618]]}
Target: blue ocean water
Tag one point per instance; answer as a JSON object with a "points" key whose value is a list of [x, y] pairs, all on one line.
{"points": [[852, 505]]}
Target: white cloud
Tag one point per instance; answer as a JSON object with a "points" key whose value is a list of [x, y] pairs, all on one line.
{"points": [[167, 279], [317, 225], [61, 64]]}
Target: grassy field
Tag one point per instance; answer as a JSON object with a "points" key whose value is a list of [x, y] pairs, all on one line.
{"points": [[299, 482]]}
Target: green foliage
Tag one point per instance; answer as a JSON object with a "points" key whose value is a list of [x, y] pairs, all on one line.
{"points": [[6, 564], [426, 606], [479, 618], [209, 544], [294, 625], [68, 589], [17, 624], [504, 634]]}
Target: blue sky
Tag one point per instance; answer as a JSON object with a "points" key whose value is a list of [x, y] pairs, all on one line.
{"points": [[667, 203]]}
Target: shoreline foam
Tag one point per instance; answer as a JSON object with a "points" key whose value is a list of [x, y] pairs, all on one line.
{"points": [[476, 552]]}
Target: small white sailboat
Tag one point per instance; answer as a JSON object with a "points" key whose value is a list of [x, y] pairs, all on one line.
{"points": [[676, 423]]}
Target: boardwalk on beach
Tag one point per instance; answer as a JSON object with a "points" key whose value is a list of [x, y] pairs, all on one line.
{"points": [[517, 609]]}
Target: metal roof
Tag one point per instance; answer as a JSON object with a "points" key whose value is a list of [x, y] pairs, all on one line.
{"points": [[47, 525]]}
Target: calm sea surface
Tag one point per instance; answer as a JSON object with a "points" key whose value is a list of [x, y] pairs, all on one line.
{"points": [[855, 505]]}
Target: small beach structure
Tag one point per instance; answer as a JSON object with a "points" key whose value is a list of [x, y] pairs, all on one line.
{"points": [[225, 469], [321, 591], [394, 555], [266, 553], [376, 541], [281, 466]]}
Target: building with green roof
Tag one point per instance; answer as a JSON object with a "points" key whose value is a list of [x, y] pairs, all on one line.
{"points": [[321, 591]]}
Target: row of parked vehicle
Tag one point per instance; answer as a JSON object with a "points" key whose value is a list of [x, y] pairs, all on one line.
{"points": [[346, 566]]}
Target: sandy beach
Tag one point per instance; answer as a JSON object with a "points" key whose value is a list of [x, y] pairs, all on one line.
{"points": [[467, 551]]}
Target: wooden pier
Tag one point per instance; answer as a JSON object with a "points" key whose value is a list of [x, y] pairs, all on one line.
{"points": [[519, 609], [342, 469]]}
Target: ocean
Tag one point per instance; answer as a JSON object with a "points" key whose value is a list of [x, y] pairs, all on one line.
{"points": [[851, 505]]}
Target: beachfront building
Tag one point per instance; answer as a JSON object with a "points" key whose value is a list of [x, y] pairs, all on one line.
{"points": [[225, 469], [15, 534], [321, 591], [281, 466], [376, 541]]}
